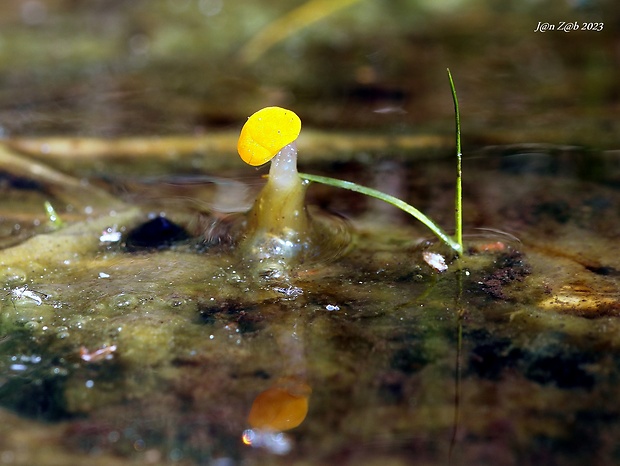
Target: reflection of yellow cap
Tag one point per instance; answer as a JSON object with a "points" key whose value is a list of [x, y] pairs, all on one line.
{"points": [[265, 133], [281, 407]]}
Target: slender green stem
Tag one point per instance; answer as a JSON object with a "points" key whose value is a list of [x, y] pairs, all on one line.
{"points": [[390, 200], [459, 238], [459, 171]]}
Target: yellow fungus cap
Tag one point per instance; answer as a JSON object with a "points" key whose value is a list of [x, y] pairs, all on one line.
{"points": [[265, 133]]}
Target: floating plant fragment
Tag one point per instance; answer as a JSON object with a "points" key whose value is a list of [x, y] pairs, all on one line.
{"points": [[435, 260], [23, 292]]}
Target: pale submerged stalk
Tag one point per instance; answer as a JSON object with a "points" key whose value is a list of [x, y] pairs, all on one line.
{"points": [[280, 231], [278, 222]]}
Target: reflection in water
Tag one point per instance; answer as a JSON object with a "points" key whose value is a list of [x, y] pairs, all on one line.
{"points": [[281, 407], [275, 442], [284, 405]]}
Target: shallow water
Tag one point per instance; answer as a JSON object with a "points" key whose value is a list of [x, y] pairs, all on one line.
{"points": [[192, 336], [126, 338]]}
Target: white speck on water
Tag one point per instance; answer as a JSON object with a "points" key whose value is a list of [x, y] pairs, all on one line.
{"points": [[435, 260], [110, 235]]}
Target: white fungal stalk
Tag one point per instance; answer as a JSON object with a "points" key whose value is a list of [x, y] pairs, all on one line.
{"points": [[283, 172]]}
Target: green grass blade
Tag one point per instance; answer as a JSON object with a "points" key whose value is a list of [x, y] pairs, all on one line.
{"points": [[458, 210], [390, 200]]}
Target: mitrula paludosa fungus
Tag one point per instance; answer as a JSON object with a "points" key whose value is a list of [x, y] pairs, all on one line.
{"points": [[279, 230]]}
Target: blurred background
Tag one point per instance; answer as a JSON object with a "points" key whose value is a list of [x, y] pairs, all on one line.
{"points": [[114, 68]]}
